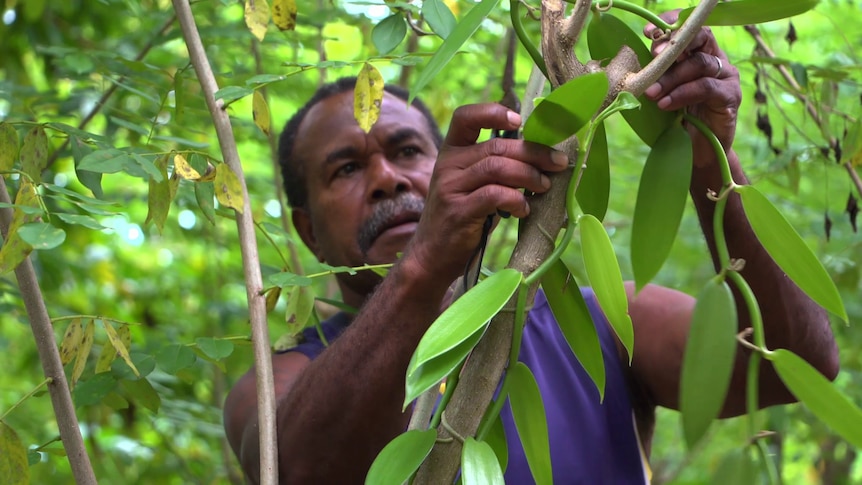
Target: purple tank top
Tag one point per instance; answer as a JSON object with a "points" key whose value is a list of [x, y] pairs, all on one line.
{"points": [[591, 442]]}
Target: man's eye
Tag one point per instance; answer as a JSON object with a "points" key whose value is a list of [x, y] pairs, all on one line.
{"points": [[346, 169], [409, 151]]}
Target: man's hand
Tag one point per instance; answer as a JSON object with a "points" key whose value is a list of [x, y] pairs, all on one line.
{"points": [[473, 180], [703, 81]]}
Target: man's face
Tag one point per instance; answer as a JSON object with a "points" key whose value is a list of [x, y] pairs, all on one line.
{"points": [[365, 190]]}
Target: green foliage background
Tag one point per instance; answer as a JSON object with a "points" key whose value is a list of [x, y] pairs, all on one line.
{"points": [[185, 283]]}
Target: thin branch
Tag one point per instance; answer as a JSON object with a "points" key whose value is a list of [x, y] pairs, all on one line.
{"points": [[107, 94], [414, 25], [248, 247], [638, 82], [797, 92], [574, 25], [49, 356]]}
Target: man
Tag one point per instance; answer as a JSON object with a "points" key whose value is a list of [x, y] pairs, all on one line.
{"points": [[364, 198]]}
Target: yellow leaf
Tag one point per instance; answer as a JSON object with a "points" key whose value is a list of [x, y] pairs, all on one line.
{"points": [[14, 248], [117, 343], [260, 112], [257, 17], [34, 153], [272, 298], [13, 457], [8, 146], [83, 353], [106, 358], [284, 14], [159, 198], [71, 341], [182, 167], [367, 97], [228, 190], [125, 335]]}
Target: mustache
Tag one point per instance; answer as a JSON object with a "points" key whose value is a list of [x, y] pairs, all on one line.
{"points": [[384, 212]]}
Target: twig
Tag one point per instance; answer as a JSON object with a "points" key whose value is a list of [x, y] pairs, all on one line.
{"points": [[797, 92], [107, 94], [248, 247], [49, 356], [638, 82]]}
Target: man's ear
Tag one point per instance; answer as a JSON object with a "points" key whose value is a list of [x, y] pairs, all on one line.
{"points": [[305, 228]]}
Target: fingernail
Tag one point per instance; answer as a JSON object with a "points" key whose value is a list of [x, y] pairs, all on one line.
{"points": [[546, 182], [663, 102], [559, 158], [653, 90], [514, 118]]}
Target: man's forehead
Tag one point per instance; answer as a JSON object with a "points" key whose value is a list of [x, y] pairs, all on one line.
{"points": [[336, 112]]}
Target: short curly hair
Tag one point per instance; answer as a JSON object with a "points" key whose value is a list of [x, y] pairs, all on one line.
{"points": [[293, 169]]}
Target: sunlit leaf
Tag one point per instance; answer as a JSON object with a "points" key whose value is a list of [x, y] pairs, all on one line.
{"points": [[819, 395], [463, 31], [528, 410], [743, 12], [272, 296], [257, 17], [228, 94], [387, 34], [603, 271], [284, 14], [595, 186], [83, 353], [286, 278], [367, 96], [260, 112], [184, 169], [572, 315], [708, 359], [852, 152], [174, 358], [80, 220], [71, 341], [479, 464], [8, 146], [466, 316], [399, 459], [34, 153], [13, 457], [228, 189], [41, 235], [662, 194], [14, 248], [300, 305], [439, 17], [106, 358], [159, 197], [789, 251], [567, 109], [429, 374], [119, 346]]}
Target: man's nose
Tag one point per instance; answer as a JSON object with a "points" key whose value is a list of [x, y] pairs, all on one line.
{"points": [[386, 179]]}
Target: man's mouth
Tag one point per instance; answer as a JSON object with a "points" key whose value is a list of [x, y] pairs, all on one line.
{"points": [[393, 217]]}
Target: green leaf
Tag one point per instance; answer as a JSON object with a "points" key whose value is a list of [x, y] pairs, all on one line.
{"points": [[479, 464], [92, 390], [41, 235], [572, 315], [287, 279], [708, 359], [215, 348], [595, 186], [738, 466], [141, 392], [14, 466], [387, 34], [606, 34], [605, 278], [34, 153], [466, 316], [789, 251], [743, 12], [567, 109], [399, 459], [660, 203], [80, 220], [530, 421], [174, 358], [111, 160], [496, 439], [429, 374], [91, 180], [229, 94], [463, 31], [204, 194], [159, 197], [821, 397], [144, 364], [439, 17], [8, 146], [300, 305]]}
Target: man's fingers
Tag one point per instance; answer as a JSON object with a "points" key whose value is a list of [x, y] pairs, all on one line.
{"points": [[468, 121]]}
